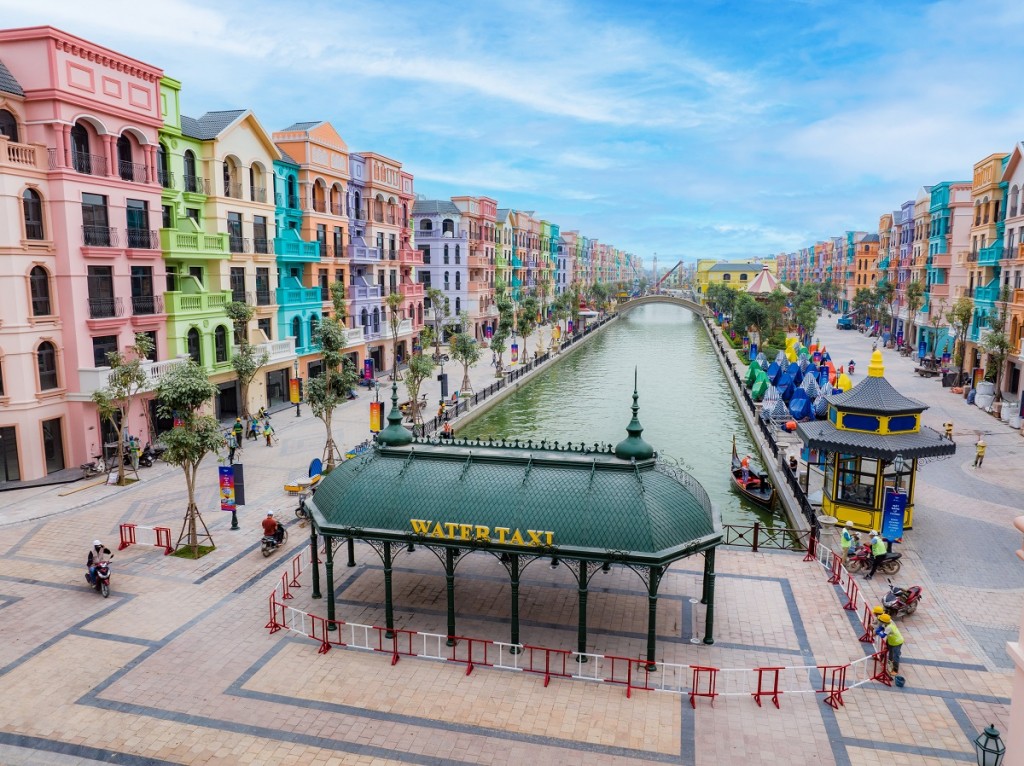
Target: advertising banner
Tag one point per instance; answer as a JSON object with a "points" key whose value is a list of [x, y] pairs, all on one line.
{"points": [[922, 348], [293, 390], [515, 353], [376, 416], [227, 487], [892, 514], [368, 369]]}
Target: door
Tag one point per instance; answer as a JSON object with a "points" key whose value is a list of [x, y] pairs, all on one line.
{"points": [[53, 445], [9, 454], [227, 401]]}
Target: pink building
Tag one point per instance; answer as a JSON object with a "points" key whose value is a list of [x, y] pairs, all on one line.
{"points": [[82, 204]]}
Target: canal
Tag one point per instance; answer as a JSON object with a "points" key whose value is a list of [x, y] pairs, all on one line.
{"points": [[686, 408]]}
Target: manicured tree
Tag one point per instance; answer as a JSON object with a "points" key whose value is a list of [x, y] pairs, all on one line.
{"points": [[439, 309], [959, 318], [183, 394], [996, 342], [126, 381], [885, 296], [394, 301], [863, 301], [776, 302], [466, 351], [331, 388], [574, 305], [751, 314], [526, 318], [936, 313], [249, 359], [420, 368], [829, 291], [914, 294], [807, 315], [499, 340]]}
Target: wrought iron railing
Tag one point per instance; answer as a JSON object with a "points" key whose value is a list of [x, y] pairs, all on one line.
{"points": [[99, 236], [133, 171], [147, 304], [143, 239], [103, 308]]}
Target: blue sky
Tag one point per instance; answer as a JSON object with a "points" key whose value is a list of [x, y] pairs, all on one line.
{"points": [[691, 128]]}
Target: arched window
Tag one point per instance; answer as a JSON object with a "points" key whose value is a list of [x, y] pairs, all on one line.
{"points": [[458, 256], [39, 284], [447, 226], [191, 184], [446, 261], [192, 344], [446, 281], [419, 313], [8, 125], [1014, 195], [364, 319], [458, 307], [81, 158], [426, 224], [412, 311], [297, 330], [33, 209], [125, 166], [226, 170], [220, 343], [376, 320], [163, 171], [357, 202], [458, 280], [46, 357], [314, 322]]}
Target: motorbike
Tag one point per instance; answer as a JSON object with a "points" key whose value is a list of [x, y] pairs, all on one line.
{"points": [[900, 601], [301, 512], [101, 579], [150, 455], [269, 543], [93, 468], [860, 558]]}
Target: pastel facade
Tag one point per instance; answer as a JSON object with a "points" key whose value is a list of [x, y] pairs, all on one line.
{"points": [[1012, 268], [478, 217], [443, 241]]}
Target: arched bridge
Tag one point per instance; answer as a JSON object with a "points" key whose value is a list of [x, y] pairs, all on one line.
{"points": [[632, 303]]}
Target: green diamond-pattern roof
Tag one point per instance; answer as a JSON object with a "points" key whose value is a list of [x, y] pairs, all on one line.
{"points": [[591, 502]]}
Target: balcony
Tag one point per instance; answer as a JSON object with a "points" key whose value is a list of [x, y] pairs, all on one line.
{"points": [[516, 263], [942, 261], [259, 194], [197, 245], [165, 179], [364, 292], [105, 308], [143, 305], [478, 261], [99, 236], [263, 296], [90, 164], [939, 290], [238, 244], [261, 245], [988, 294], [405, 327], [354, 336], [409, 256], [439, 234], [1018, 297], [22, 155], [142, 239], [991, 255], [91, 379], [477, 286], [289, 201], [293, 296], [233, 189], [133, 171], [411, 289], [363, 254], [196, 303], [276, 350], [291, 249], [883, 264], [196, 185]]}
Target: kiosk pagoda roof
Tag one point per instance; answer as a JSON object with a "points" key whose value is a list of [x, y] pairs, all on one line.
{"points": [[597, 502], [822, 435]]}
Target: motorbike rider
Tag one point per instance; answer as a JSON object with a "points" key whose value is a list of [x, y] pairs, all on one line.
{"points": [[878, 551], [272, 529], [97, 554]]}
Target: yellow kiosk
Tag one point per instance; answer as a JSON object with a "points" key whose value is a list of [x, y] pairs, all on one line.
{"points": [[872, 440]]}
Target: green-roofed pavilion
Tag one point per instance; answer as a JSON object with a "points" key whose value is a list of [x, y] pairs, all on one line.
{"points": [[587, 506]]}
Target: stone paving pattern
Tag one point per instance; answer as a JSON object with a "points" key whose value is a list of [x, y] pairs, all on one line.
{"points": [[176, 666]]}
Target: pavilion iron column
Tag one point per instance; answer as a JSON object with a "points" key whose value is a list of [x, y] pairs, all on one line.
{"points": [[351, 552], [449, 576], [653, 580], [389, 610], [582, 575], [329, 566], [314, 562], [709, 596], [514, 573]]}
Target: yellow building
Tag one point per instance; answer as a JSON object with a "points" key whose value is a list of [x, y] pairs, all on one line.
{"points": [[736, 274]]}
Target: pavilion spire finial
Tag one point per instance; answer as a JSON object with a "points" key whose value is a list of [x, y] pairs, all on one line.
{"points": [[633, 446], [395, 435], [876, 369]]}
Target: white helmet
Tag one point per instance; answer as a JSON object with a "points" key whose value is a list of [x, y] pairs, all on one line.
{"points": [[270, 513], [97, 544]]}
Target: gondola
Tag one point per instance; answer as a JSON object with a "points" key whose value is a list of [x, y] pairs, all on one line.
{"points": [[758, 489]]}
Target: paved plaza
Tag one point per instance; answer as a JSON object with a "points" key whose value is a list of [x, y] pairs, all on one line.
{"points": [[177, 666]]}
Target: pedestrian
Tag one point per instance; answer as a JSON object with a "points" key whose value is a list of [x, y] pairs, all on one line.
{"points": [[254, 429], [893, 640], [979, 452], [232, 446], [948, 428], [745, 466], [134, 451], [878, 551], [238, 429], [268, 432], [846, 540]]}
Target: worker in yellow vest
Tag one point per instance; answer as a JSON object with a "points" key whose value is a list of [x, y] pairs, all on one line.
{"points": [[878, 551], [979, 452], [846, 540], [893, 639]]}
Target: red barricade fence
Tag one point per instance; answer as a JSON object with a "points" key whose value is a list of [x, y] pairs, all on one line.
{"points": [[767, 676], [833, 684], [129, 536], [708, 675]]}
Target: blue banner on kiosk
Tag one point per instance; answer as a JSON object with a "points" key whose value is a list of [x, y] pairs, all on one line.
{"points": [[892, 514]]}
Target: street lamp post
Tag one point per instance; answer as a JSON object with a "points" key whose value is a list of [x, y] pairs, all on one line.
{"points": [[898, 464], [989, 747], [298, 395]]}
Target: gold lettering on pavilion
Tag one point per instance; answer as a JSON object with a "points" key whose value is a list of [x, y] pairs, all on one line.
{"points": [[469, 532]]}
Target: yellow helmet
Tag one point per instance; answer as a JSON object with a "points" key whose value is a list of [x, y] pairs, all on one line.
{"points": [[878, 610], [884, 618]]}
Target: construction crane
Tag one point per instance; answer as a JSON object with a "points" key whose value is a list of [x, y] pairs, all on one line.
{"points": [[657, 287]]}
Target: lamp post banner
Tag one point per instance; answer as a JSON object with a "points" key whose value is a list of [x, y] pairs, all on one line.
{"points": [[227, 487], [892, 514]]}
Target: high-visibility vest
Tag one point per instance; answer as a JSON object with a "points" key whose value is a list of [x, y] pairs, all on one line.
{"points": [[878, 546], [893, 637], [846, 539]]}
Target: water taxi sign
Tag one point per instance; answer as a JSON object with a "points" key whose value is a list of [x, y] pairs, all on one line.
{"points": [[455, 531]]}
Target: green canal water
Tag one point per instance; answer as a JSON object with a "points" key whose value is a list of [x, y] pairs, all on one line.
{"points": [[686, 408]]}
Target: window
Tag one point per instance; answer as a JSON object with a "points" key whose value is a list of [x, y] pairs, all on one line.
{"points": [[95, 226], [46, 359], [125, 165], [446, 285], [376, 320], [8, 125], [446, 259], [237, 278], [220, 344], [727, 277], [425, 250], [235, 232], [264, 325], [167, 217], [33, 210], [458, 280], [143, 299], [81, 159], [364, 320], [162, 170], [151, 334], [262, 287], [39, 284], [137, 216], [325, 291], [191, 182], [192, 213], [743, 277], [192, 343], [314, 322], [101, 292], [447, 226], [297, 331], [259, 233], [101, 346], [458, 257], [458, 307]]}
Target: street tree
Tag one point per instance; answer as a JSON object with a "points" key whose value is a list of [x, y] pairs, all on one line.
{"points": [[996, 342], [914, 295], [959, 318], [885, 296], [183, 394], [420, 368], [829, 292], [751, 317], [126, 381], [466, 351], [330, 388], [394, 301], [807, 309], [864, 302], [499, 340], [249, 359], [936, 314], [526, 318], [439, 312]]}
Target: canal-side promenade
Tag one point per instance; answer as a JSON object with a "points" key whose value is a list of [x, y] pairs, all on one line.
{"points": [[176, 667]]}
